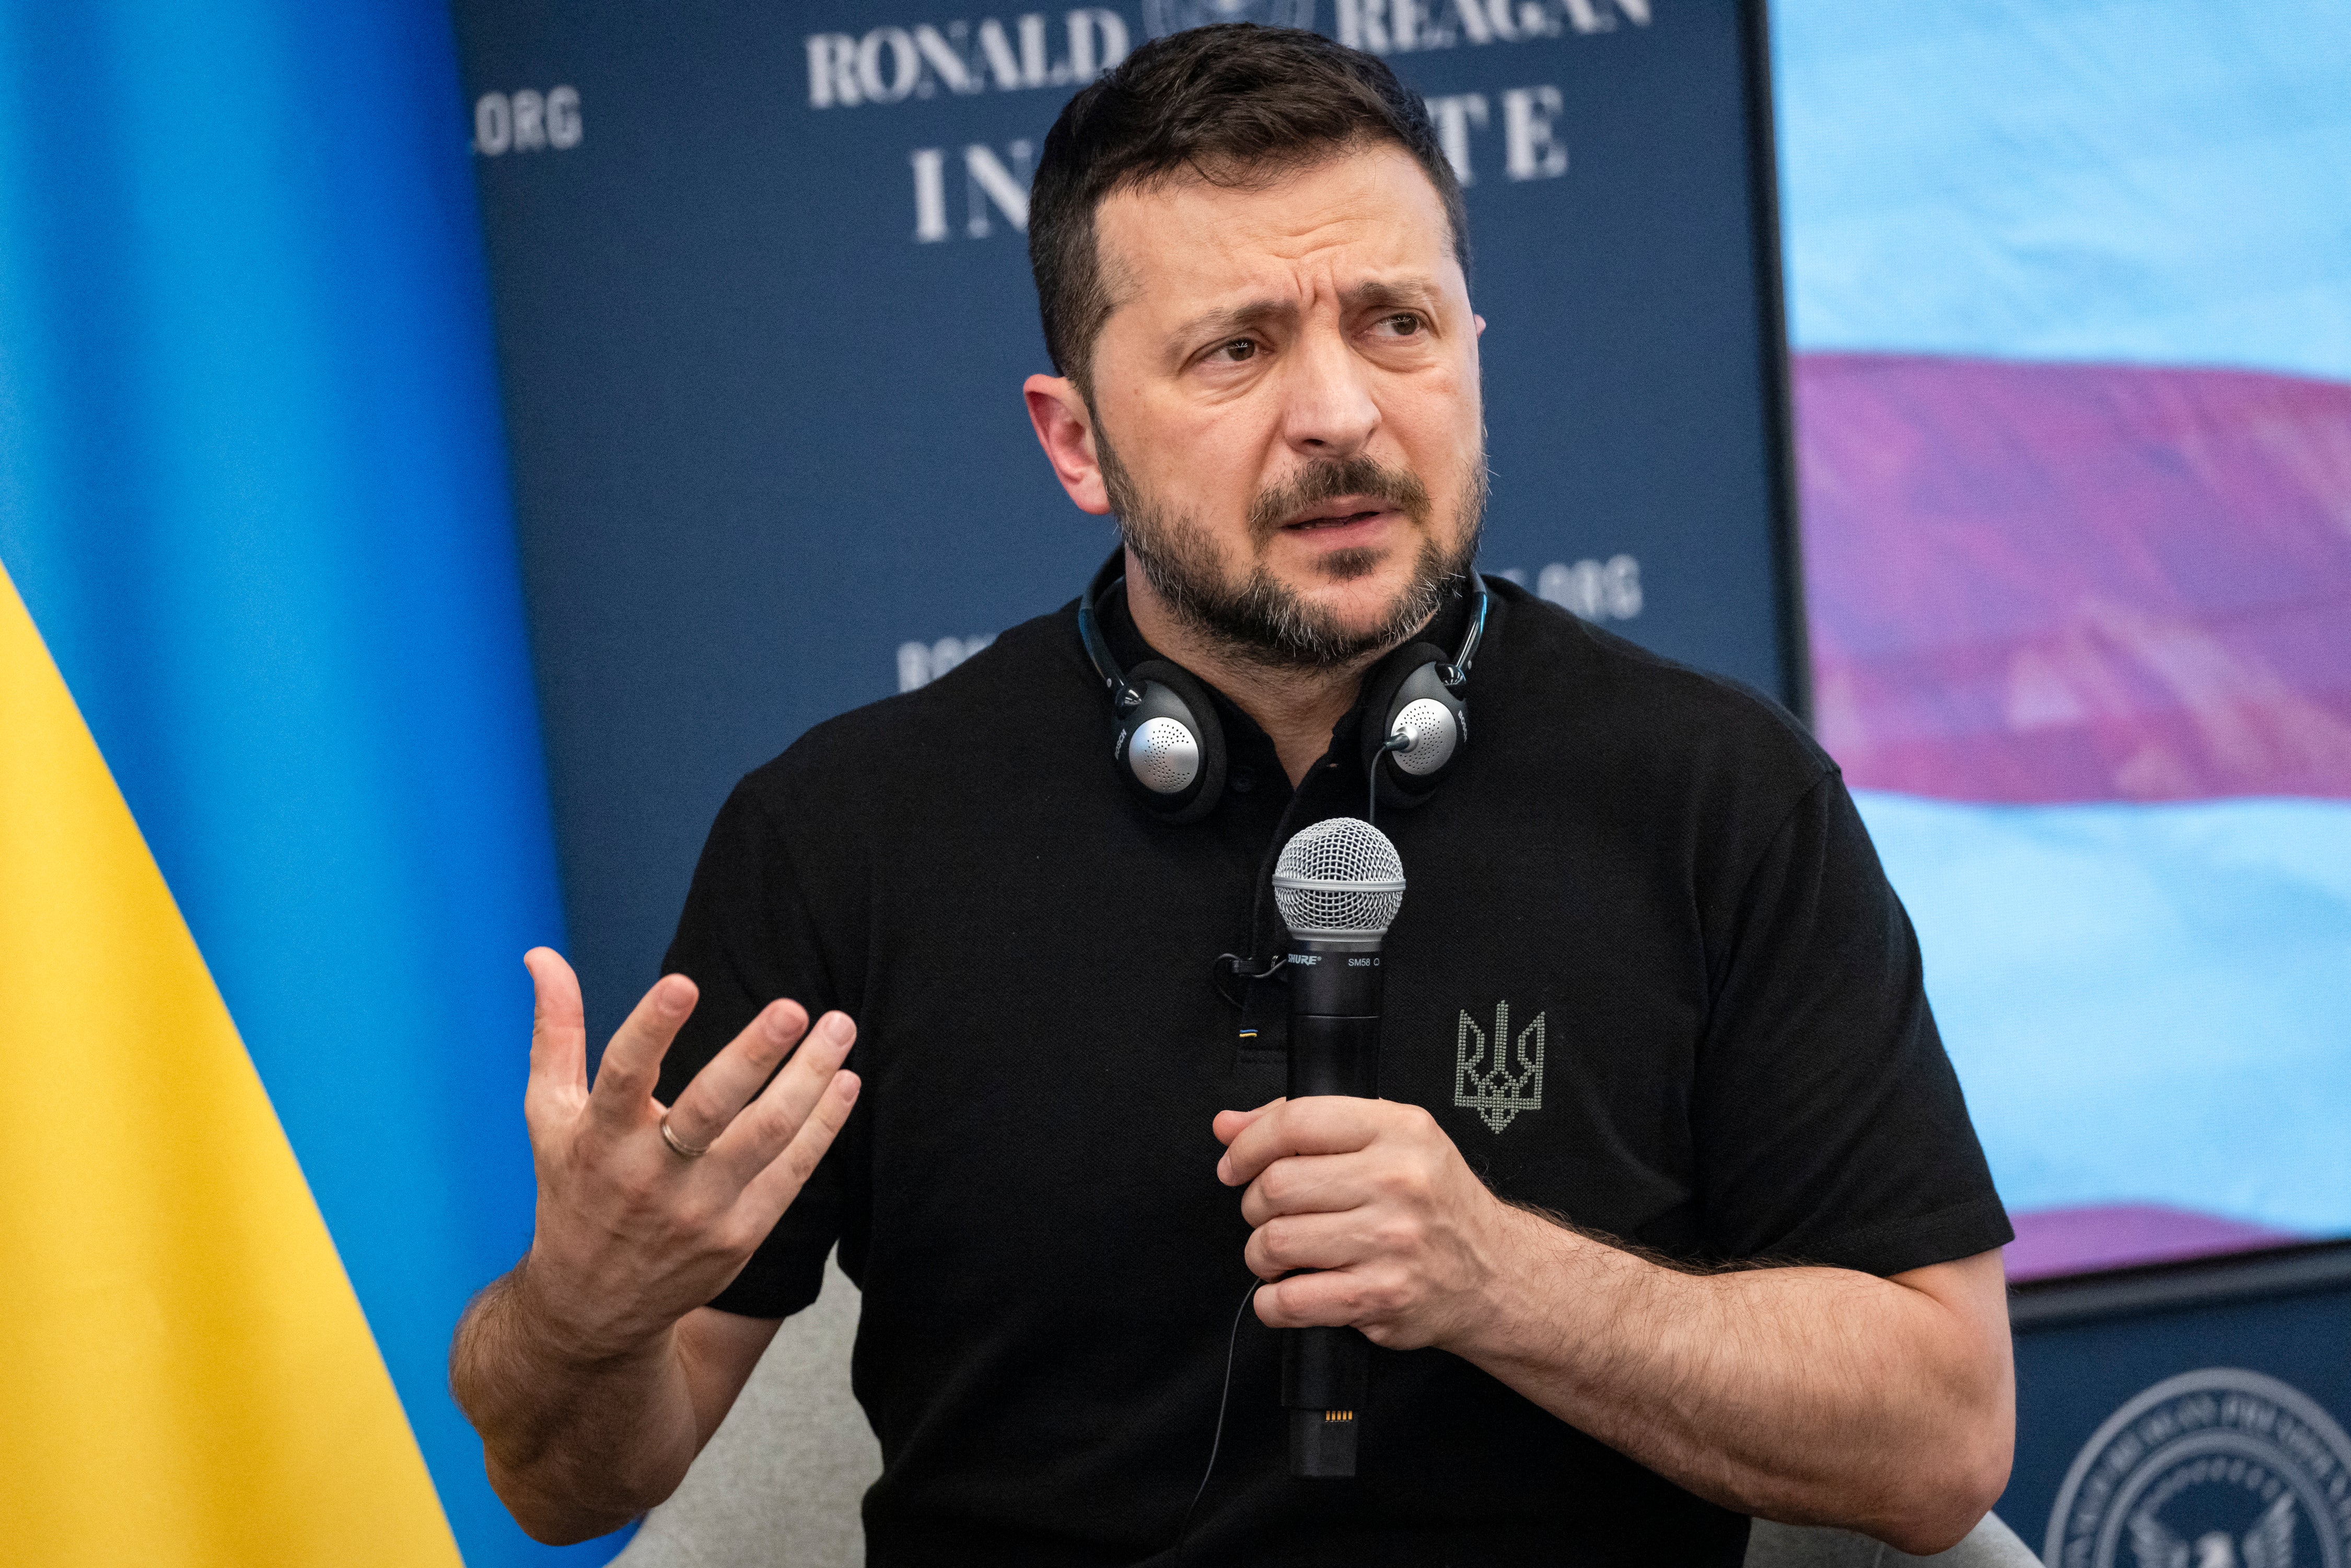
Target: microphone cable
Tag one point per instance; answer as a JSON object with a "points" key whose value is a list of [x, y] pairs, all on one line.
{"points": [[1232, 1343]]}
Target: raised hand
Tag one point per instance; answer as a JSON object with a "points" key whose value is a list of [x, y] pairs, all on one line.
{"points": [[636, 1229]]}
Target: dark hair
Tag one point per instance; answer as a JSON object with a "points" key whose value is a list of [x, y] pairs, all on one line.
{"points": [[1235, 103]]}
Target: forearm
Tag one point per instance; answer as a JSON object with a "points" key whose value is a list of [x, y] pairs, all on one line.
{"points": [[1811, 1395], [575, 1444]]}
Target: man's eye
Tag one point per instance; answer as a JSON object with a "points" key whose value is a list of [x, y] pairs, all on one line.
{"points": [[1238, 349], [1404, 324]]}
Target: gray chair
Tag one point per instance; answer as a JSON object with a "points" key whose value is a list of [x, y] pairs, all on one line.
{"points": [[780, 1483], [1990, 1545]]}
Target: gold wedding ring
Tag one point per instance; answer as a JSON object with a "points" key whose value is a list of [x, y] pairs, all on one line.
{"points": [[685, 1149]]}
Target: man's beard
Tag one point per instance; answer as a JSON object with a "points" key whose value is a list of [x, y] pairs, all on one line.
{"points": [[1263, 620]]}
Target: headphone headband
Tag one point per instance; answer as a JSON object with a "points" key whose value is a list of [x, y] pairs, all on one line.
{"points": [[1454, 673], [1121, 695]]}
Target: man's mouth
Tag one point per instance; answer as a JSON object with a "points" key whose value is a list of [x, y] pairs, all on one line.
{"points": [[1338, 514]]}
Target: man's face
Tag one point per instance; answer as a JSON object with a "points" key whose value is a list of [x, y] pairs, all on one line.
{"points": [[1285, 405]]}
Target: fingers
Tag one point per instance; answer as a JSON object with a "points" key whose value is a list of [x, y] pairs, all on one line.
{"points": [[772, 1190], [1297, 1241], [728, 1082], [632, 1064], [763, 1131], [1325, 1124], [1317, 1184], [1312, 1300], [558, 1032]]}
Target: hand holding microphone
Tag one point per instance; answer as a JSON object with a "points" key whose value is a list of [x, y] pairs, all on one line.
{"points": [[1370, 1195]]}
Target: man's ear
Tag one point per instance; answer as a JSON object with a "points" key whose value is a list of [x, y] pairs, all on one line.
{"points": [[1065, 429]]}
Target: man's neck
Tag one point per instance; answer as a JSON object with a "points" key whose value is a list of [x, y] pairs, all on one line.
{"points": [[1297, 708]]}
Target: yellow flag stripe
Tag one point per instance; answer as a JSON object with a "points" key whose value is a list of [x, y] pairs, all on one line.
{"points": [[185, 1375]]}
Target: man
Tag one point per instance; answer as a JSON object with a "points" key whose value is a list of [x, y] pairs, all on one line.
{"points": [[1642, 890]]}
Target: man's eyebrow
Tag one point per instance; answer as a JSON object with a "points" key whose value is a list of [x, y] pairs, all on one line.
{"points": [[1378, 294], [1234, 320], [1381, 294]]}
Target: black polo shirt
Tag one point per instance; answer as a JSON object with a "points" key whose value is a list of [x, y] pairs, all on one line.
{"points": [[1648, 882]]}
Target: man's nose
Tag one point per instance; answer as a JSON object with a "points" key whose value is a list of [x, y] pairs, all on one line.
{"points": [[1328, 410]]}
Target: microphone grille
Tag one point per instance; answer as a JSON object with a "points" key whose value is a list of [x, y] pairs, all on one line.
{"points": [[1339, 878]]}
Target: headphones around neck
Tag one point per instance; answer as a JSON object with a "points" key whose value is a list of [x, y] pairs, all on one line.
{"points": [[1171, 748]]}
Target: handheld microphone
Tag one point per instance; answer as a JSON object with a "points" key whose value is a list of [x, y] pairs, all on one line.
{"points": [[1338, 883]]}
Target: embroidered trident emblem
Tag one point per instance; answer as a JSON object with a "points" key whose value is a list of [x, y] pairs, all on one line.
{"points": [[1497, 1094]]}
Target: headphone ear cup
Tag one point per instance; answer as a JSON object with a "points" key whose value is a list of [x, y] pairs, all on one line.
{"points": [[1410, 693], [1170, 747]]}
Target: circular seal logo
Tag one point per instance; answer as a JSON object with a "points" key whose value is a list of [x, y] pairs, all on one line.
{"points": [[2217, 1469]]}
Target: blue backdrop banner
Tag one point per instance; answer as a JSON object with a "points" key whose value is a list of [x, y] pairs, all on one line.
{"points": [[763, 298]]}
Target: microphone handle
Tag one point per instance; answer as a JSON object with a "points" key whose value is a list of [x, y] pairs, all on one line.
{"points": [[1323, 1370]]}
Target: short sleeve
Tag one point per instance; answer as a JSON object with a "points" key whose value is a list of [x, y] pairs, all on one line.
{"points": [[745, 939], [1830, 1127]]}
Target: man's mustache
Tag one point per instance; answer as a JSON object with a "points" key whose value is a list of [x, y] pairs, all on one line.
{"points": [[1327, 481]]}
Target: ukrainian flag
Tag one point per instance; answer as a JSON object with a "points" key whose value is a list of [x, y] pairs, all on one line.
{"points": [[274, 829]]}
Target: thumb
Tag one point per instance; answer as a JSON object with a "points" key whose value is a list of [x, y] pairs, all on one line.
{"points": [[1231, 1124]]}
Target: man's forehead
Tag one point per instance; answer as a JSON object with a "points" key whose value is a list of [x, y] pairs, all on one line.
{"points": [[1371, 213]]}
